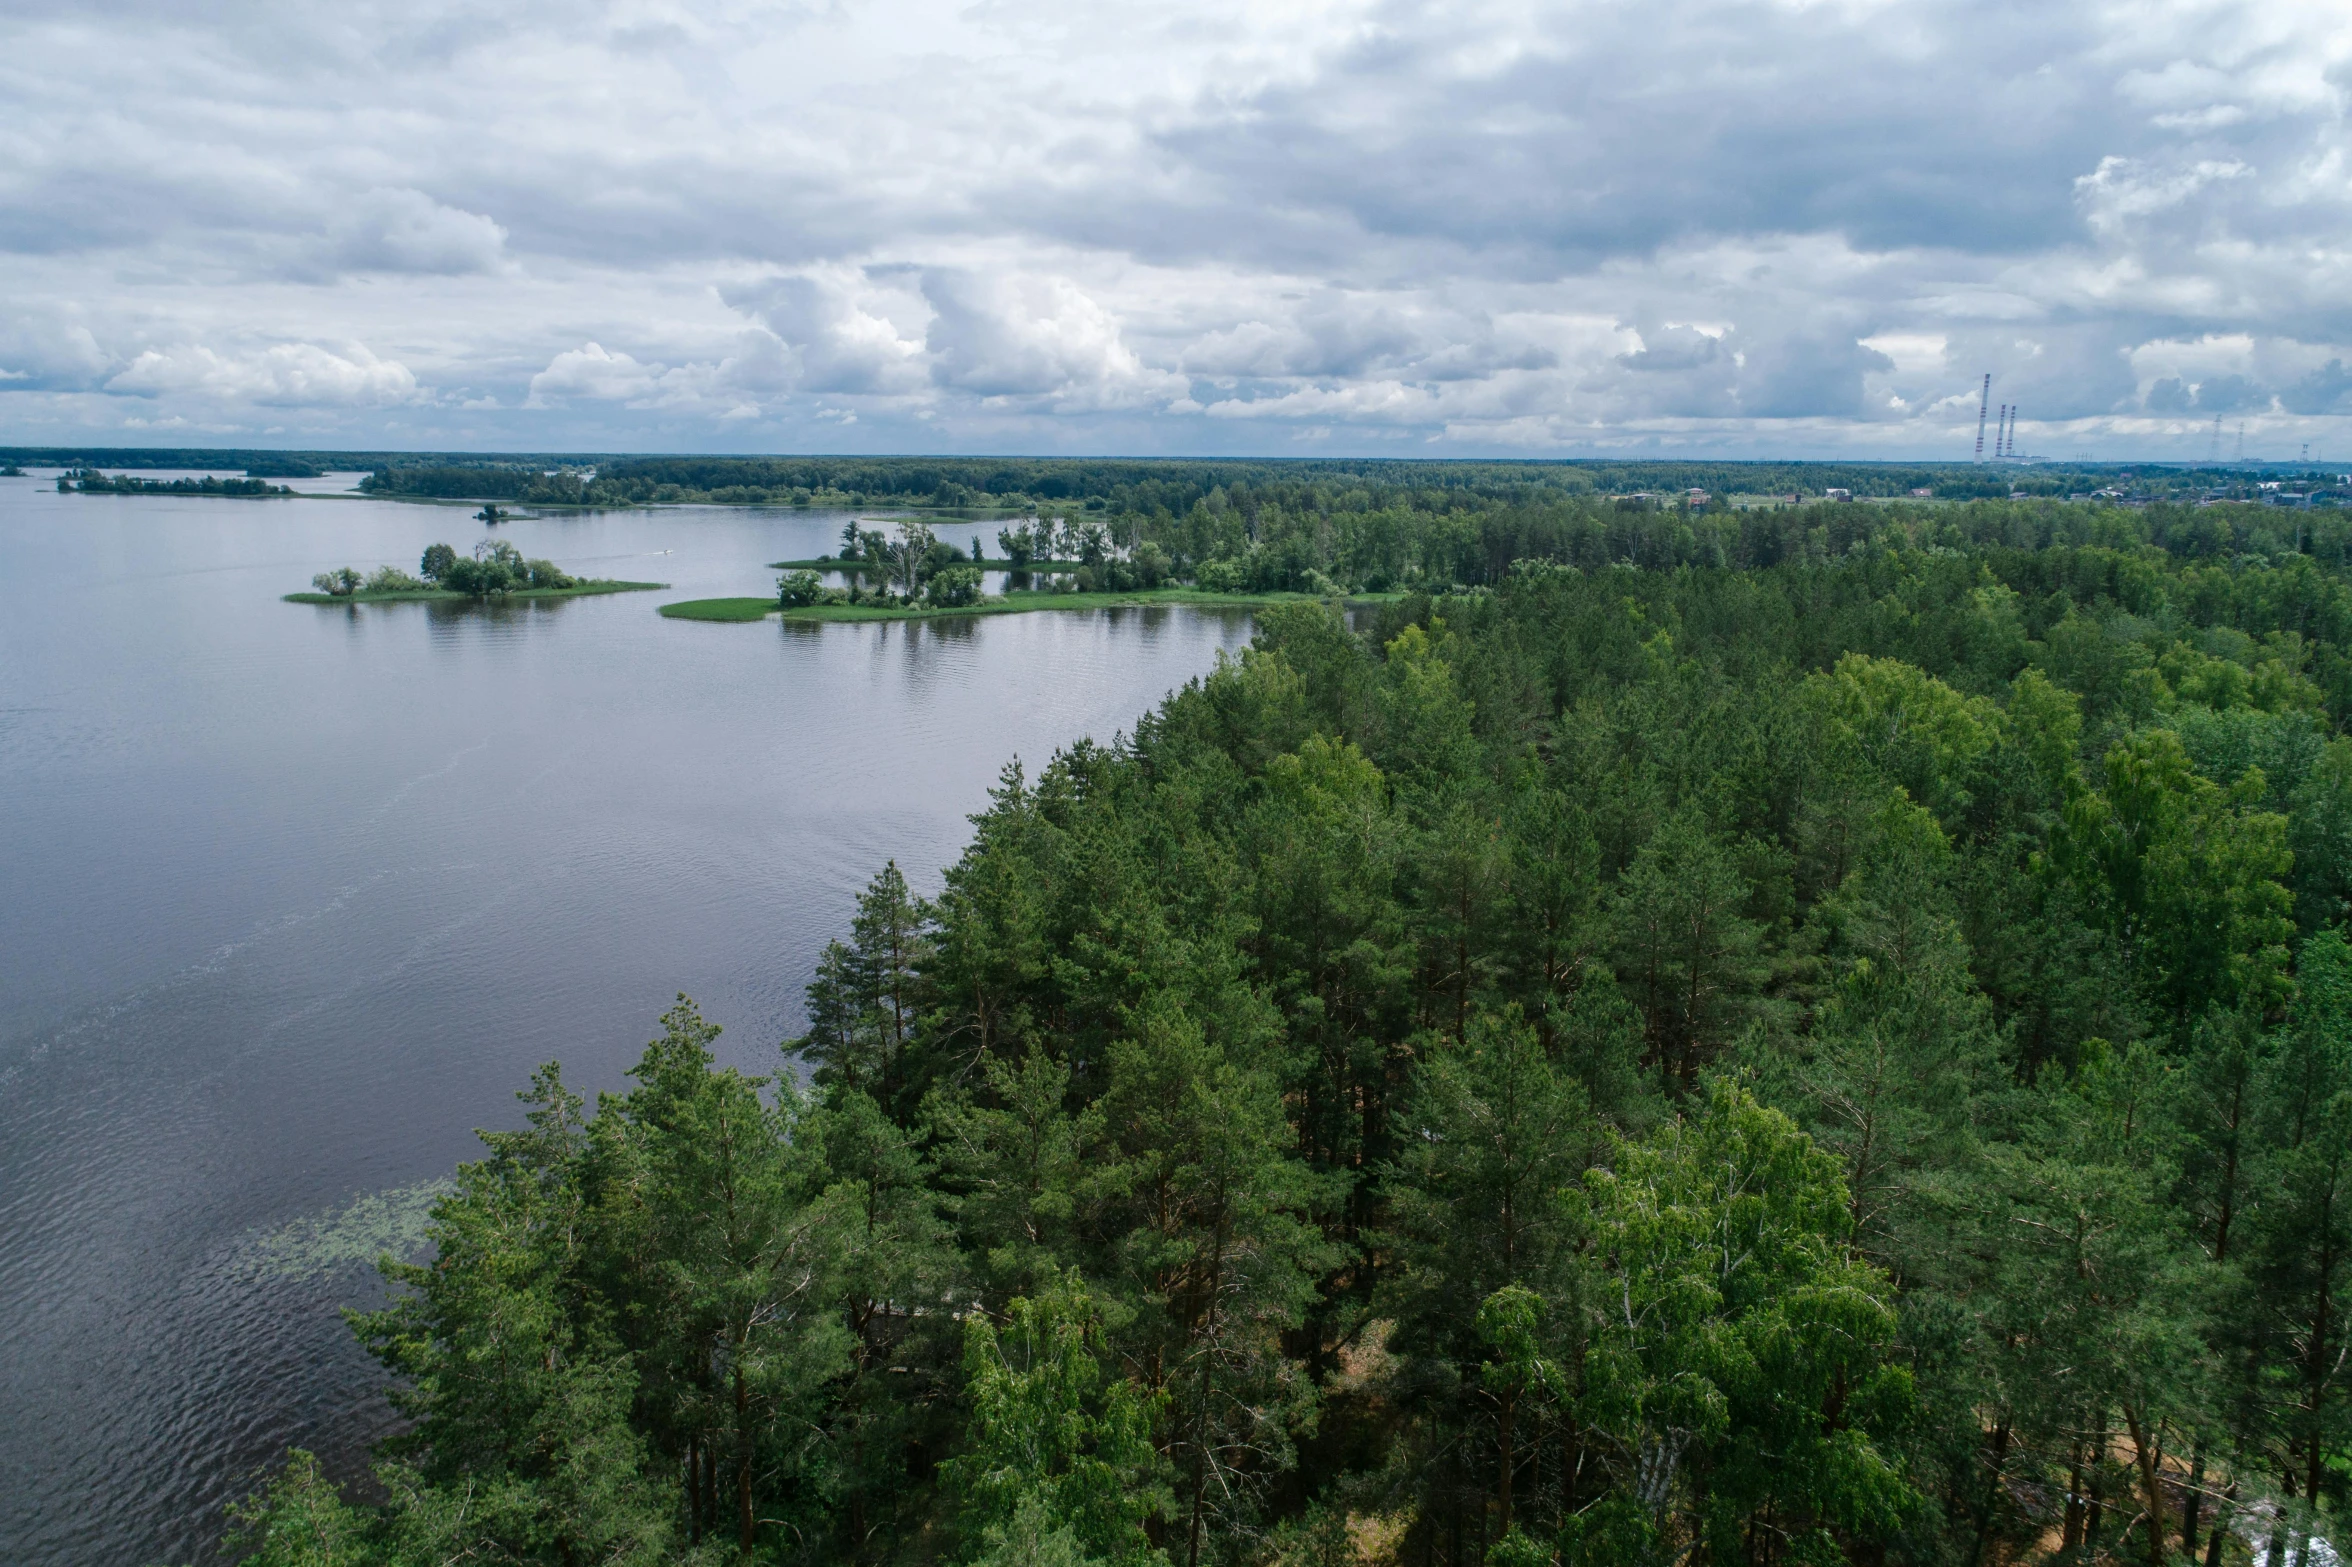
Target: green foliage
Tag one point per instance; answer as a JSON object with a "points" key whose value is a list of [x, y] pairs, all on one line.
{"points": [[1755, 1038], [298, 1519], [795, 589], [494, 569], [1741, 1371], [952, 586], [1056, 1450]]}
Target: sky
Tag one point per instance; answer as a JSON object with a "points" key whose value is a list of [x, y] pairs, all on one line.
{"points": [[1338, 227]]}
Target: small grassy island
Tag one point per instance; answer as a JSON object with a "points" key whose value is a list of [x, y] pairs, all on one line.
{"points": [[495, 570]]}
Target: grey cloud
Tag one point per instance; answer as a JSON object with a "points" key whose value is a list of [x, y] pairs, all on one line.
{"points": [[1385, 216], [1342, 334], [2221, 393], [387, 230], [1616, 129], [44, 353], [1806, 376], [2229, 394], [2326, 390], [1673, 348]]}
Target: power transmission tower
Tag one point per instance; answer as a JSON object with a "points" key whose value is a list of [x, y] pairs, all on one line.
{"points": [[2213, 447], [1983, 406], [2241, 440]]}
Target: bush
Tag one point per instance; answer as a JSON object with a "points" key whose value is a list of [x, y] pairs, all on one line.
{"points": [[1220, 576], [341, 583], [1150, 565], [957, 585], [545, 574], [797, 589], [391, 579]]}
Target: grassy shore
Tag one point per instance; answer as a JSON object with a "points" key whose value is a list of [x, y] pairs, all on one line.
{"points": [[442, 596], [742, 609], [721, 609]]}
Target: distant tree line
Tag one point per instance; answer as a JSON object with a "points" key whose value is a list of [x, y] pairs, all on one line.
{"points": [[1174, 485], [1407, 526]]}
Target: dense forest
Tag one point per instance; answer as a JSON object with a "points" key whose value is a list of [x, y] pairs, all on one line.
{"points": [[1793, 1038], [1386, 527]]}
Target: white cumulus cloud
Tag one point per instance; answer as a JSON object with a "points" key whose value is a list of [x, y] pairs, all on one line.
{"points": [[285, 375]]}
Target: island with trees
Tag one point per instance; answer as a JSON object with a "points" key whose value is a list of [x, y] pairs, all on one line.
{"points": [[495, 570], [910, 573], [1819, 1037], [91, 481]]}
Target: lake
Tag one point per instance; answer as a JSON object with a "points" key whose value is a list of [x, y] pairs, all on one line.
{"points": [[293, 898]]}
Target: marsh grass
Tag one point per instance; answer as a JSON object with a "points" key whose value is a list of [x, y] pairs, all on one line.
{"points": [[393, 1220]]}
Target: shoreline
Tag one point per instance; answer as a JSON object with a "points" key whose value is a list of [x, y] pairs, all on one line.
{"points": [[746, 610], [444, 596], [861, 565]]}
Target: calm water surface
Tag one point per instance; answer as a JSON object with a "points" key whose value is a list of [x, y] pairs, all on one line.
{"points": [[293, 898]]}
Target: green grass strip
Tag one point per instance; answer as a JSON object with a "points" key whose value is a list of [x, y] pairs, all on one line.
{"points": [[720, 609]]}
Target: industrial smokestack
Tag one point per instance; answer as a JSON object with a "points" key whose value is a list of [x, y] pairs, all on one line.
{"points": [[1984, 402]]}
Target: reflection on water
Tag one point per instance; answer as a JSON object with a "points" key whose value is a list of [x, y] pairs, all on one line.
{"points": [[296, 896]]}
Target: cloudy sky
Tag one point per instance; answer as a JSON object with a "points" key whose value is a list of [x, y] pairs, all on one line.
{"points": [[1802, 227]]}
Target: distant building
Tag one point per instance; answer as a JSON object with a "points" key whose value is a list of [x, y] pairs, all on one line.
{"points": [[1922, 493], [1837, 495]]}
